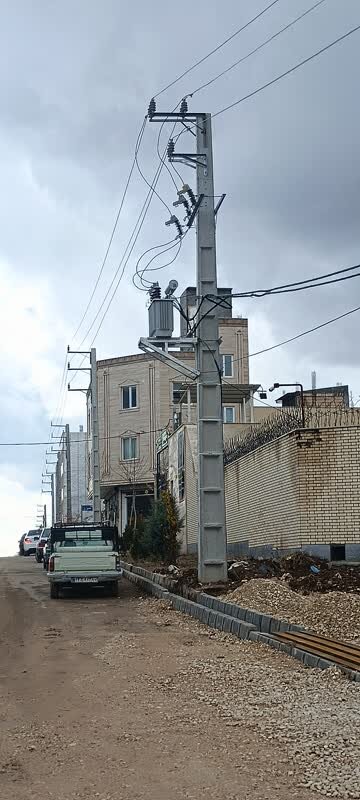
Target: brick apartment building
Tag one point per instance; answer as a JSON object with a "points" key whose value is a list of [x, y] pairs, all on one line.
{"points": [[140, 396]]}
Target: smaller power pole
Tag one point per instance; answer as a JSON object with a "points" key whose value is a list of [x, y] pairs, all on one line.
{"points": [[44, 517], [95, 438], [52, 499], [95, 468], [68, 473]]}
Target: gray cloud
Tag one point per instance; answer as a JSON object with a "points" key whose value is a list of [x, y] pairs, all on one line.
{"points": [[75, 81]]}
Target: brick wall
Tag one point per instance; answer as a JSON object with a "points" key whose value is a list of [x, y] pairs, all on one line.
{"points": [[262, 496], [301, 490]]}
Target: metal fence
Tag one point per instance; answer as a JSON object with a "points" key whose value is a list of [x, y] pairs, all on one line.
{"points": [[284, 421]]}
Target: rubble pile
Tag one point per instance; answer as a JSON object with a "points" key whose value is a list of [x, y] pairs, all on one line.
{"points": [[334, 614], [300, 571]]}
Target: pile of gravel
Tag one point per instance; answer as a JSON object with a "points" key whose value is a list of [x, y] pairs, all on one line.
{"points": [[310, 716], [335, 614]]}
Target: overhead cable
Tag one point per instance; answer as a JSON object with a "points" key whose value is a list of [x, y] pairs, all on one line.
{"points": [[287, 72], [215, 49], [138, 142], [255, 50]]}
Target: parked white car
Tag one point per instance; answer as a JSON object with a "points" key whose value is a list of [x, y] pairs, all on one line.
{"points": [[84, 555], [30, 541]]}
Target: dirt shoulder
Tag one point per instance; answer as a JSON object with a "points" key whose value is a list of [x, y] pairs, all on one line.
{"points": [[119, 699]]}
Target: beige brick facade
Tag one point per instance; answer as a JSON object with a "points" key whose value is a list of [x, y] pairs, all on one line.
{"points": [[301, 490]]}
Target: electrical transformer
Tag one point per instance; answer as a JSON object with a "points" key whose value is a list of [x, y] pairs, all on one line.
{"points": [[161, 318]]}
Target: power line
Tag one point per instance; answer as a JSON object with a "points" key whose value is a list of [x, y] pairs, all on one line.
{"points": [[120, 264], [256, 49], [304, 333], [138, 141], [124, 261], [300, 335], [287, 72], [134, 235], [140, 273], [119, 436], [151, 186], [222, 302], [300, 283], [215, 50], [285, 288]]}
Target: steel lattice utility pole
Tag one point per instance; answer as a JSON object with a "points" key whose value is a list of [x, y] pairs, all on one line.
{"points": [[95, 438], [212, 561]]}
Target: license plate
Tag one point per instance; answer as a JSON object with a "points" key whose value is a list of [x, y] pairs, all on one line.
{"points": [[85, 580]]}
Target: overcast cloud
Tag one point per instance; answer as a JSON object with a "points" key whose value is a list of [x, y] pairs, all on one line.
{"points": [[75, 82]]}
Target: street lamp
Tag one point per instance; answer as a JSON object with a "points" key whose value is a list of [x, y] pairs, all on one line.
{"points": [[285, 385]]}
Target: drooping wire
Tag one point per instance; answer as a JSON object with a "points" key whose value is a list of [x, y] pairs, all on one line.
{"points": [[139, 273], [125, 258], [150, 185], [129, 248], [163, 266], [297, 286], [298, 335], [138, 142]]}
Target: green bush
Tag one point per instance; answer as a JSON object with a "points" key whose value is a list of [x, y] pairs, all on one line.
{"points": [[127, 539], [139, 547]]}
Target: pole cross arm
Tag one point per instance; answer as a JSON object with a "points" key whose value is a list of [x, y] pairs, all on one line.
{"points": [[149, 347]]}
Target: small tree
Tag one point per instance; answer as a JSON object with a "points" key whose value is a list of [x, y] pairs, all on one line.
{"points": [[161, 529]]}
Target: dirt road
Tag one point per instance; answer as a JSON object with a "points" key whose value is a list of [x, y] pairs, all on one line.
{"points": [[123, 699]]}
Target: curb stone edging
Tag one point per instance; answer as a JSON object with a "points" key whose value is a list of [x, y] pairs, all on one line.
{"points": [[244, 623]]}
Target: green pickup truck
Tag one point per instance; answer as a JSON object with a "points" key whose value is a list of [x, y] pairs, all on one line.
{"points": [[83, 555]]}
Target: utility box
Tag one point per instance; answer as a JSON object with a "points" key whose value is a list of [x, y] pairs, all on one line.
{"points": [[161, 319]]}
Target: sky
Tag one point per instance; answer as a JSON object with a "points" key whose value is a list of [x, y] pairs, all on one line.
{"points": [[75, 84]]}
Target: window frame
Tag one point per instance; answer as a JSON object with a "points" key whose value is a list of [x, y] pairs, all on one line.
{"points": [[130, 387], [223, 357], [225, 421], [123, 439], [181, 465]]}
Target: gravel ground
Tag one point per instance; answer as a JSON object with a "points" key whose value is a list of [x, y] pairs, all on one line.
{"points": [[313, 715], [335, 614], [87, 711]]}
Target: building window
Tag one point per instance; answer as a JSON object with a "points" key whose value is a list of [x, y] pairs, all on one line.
{"points": [[227, 366], [128, 397], [179, 392], [181, 466], [228, 413], [61, 469], [129, 448]]}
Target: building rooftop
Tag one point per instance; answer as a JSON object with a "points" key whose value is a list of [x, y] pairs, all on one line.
{"points": [[328, 391]]}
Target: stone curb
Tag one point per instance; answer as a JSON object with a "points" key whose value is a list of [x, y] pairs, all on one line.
{"points": [[215, 619], [263, 622], [245, 623], [146, 584]]}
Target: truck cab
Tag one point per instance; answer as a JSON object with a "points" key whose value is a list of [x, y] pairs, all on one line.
{"points": [[83, 554]]}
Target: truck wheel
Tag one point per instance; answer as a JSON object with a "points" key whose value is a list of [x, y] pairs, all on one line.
{"points": [[54, 591], [114, 589]]}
